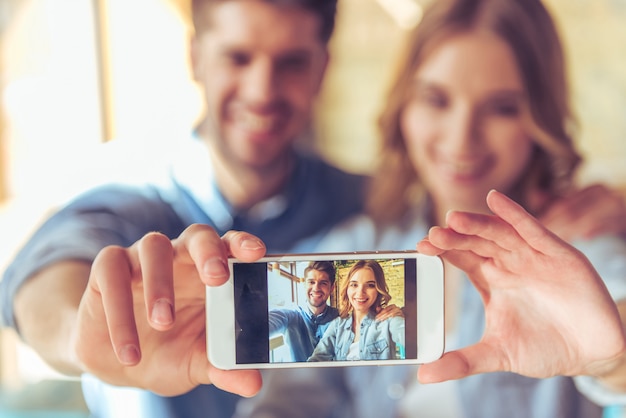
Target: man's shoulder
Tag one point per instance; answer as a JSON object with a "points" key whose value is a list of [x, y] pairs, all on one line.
{"points": [[332, 311], [330, 189], [331, 175], [128, 204], [286, 310], [119, 195]]}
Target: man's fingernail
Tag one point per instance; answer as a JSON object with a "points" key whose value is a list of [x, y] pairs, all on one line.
{"points": [[162, 312], [251, 244], [129, 355], [215, 267]]}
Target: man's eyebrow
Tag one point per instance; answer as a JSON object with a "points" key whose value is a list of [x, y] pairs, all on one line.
{"points": [[295, 52], [422, 84], [233, 48]]}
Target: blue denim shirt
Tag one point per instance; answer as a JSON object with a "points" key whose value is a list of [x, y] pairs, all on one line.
{"points": [[301, 329], [169, 198], [378, 341]]}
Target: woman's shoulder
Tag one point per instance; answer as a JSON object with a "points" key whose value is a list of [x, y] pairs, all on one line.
{"points": [[362, 232], [389, 322]]}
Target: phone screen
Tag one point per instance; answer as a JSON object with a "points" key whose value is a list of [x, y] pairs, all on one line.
{"points": [[271, 293]]}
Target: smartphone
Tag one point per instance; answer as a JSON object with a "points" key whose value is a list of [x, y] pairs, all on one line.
{"points": [[276, 313]]}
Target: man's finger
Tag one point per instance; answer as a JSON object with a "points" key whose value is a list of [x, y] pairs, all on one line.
{"points": [[204, 248], [156, 258], [111, 277], [242, 382], [244, 246]]}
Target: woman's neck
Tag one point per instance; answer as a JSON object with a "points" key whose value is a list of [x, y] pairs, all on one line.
{"points": [[357, 317]]}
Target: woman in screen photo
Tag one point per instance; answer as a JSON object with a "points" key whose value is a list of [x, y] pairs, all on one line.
{"points": [[356, 334]]}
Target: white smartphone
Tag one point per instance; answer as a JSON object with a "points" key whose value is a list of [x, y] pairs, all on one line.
{"points": [[276, 313]]}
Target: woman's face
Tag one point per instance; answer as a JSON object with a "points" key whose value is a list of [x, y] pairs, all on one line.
{"points": [[463, 122], [361, 290]]}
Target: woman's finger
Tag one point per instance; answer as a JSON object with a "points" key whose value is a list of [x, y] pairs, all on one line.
{"points": [[468, 361]]}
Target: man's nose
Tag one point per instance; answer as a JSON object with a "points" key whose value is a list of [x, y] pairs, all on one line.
{"points": [[260, 83]]}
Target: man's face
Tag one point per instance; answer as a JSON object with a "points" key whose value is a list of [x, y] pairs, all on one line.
{"points": [[261, 67], [318, 288]]}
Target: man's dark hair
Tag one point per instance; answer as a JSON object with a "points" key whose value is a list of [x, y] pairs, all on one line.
{"points": [[324, 9], [327, 267]]}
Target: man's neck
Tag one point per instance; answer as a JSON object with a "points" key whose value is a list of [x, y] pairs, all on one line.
{"points": [[244, 186], [317, 310]]}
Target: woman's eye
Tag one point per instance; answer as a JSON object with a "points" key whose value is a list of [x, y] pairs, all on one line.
{"points": [[433, 99], [437, 101], [506, 109]]}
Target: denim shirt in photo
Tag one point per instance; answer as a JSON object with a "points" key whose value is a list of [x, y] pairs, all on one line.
{"points": [[378, 341]]}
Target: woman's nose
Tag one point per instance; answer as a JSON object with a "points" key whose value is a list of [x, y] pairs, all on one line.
{"points": [[462, 133]]}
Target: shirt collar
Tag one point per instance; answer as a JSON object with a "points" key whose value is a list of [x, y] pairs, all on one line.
{"points": [[368, 319], [193, 171], [305, 308]]}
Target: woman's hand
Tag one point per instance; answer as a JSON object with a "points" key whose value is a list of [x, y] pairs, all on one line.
{"points": [[547, 311]]}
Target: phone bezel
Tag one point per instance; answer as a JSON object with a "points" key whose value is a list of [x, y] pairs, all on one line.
{"points": [[221, 345]]}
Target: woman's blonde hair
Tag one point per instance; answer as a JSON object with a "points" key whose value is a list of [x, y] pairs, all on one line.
{"points": [[526, 26], [345, 308]]}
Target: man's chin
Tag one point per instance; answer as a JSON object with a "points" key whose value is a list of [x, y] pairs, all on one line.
{"points": [[317, 304]]}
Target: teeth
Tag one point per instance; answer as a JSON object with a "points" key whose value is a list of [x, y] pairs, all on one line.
{"points": [[255, 122], [464, 168]]}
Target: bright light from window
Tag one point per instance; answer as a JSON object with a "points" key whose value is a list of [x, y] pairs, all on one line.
{"points": [[406, 13]]}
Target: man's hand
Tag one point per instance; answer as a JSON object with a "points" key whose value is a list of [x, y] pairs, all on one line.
{"points": [[389, 311], [586, 213], [547, 311], [141, 320]]}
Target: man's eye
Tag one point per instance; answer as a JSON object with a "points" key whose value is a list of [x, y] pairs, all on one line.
{"points": [[294, 64], [238, 59]]}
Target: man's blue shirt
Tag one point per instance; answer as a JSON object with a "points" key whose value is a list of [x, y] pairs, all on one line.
{"points": [[300, 328]]}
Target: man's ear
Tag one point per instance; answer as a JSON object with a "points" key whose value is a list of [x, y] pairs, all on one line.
{"points": [[318, 87]]}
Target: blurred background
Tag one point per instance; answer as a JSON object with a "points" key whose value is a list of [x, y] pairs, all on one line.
{"points": [[80, 78]]}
